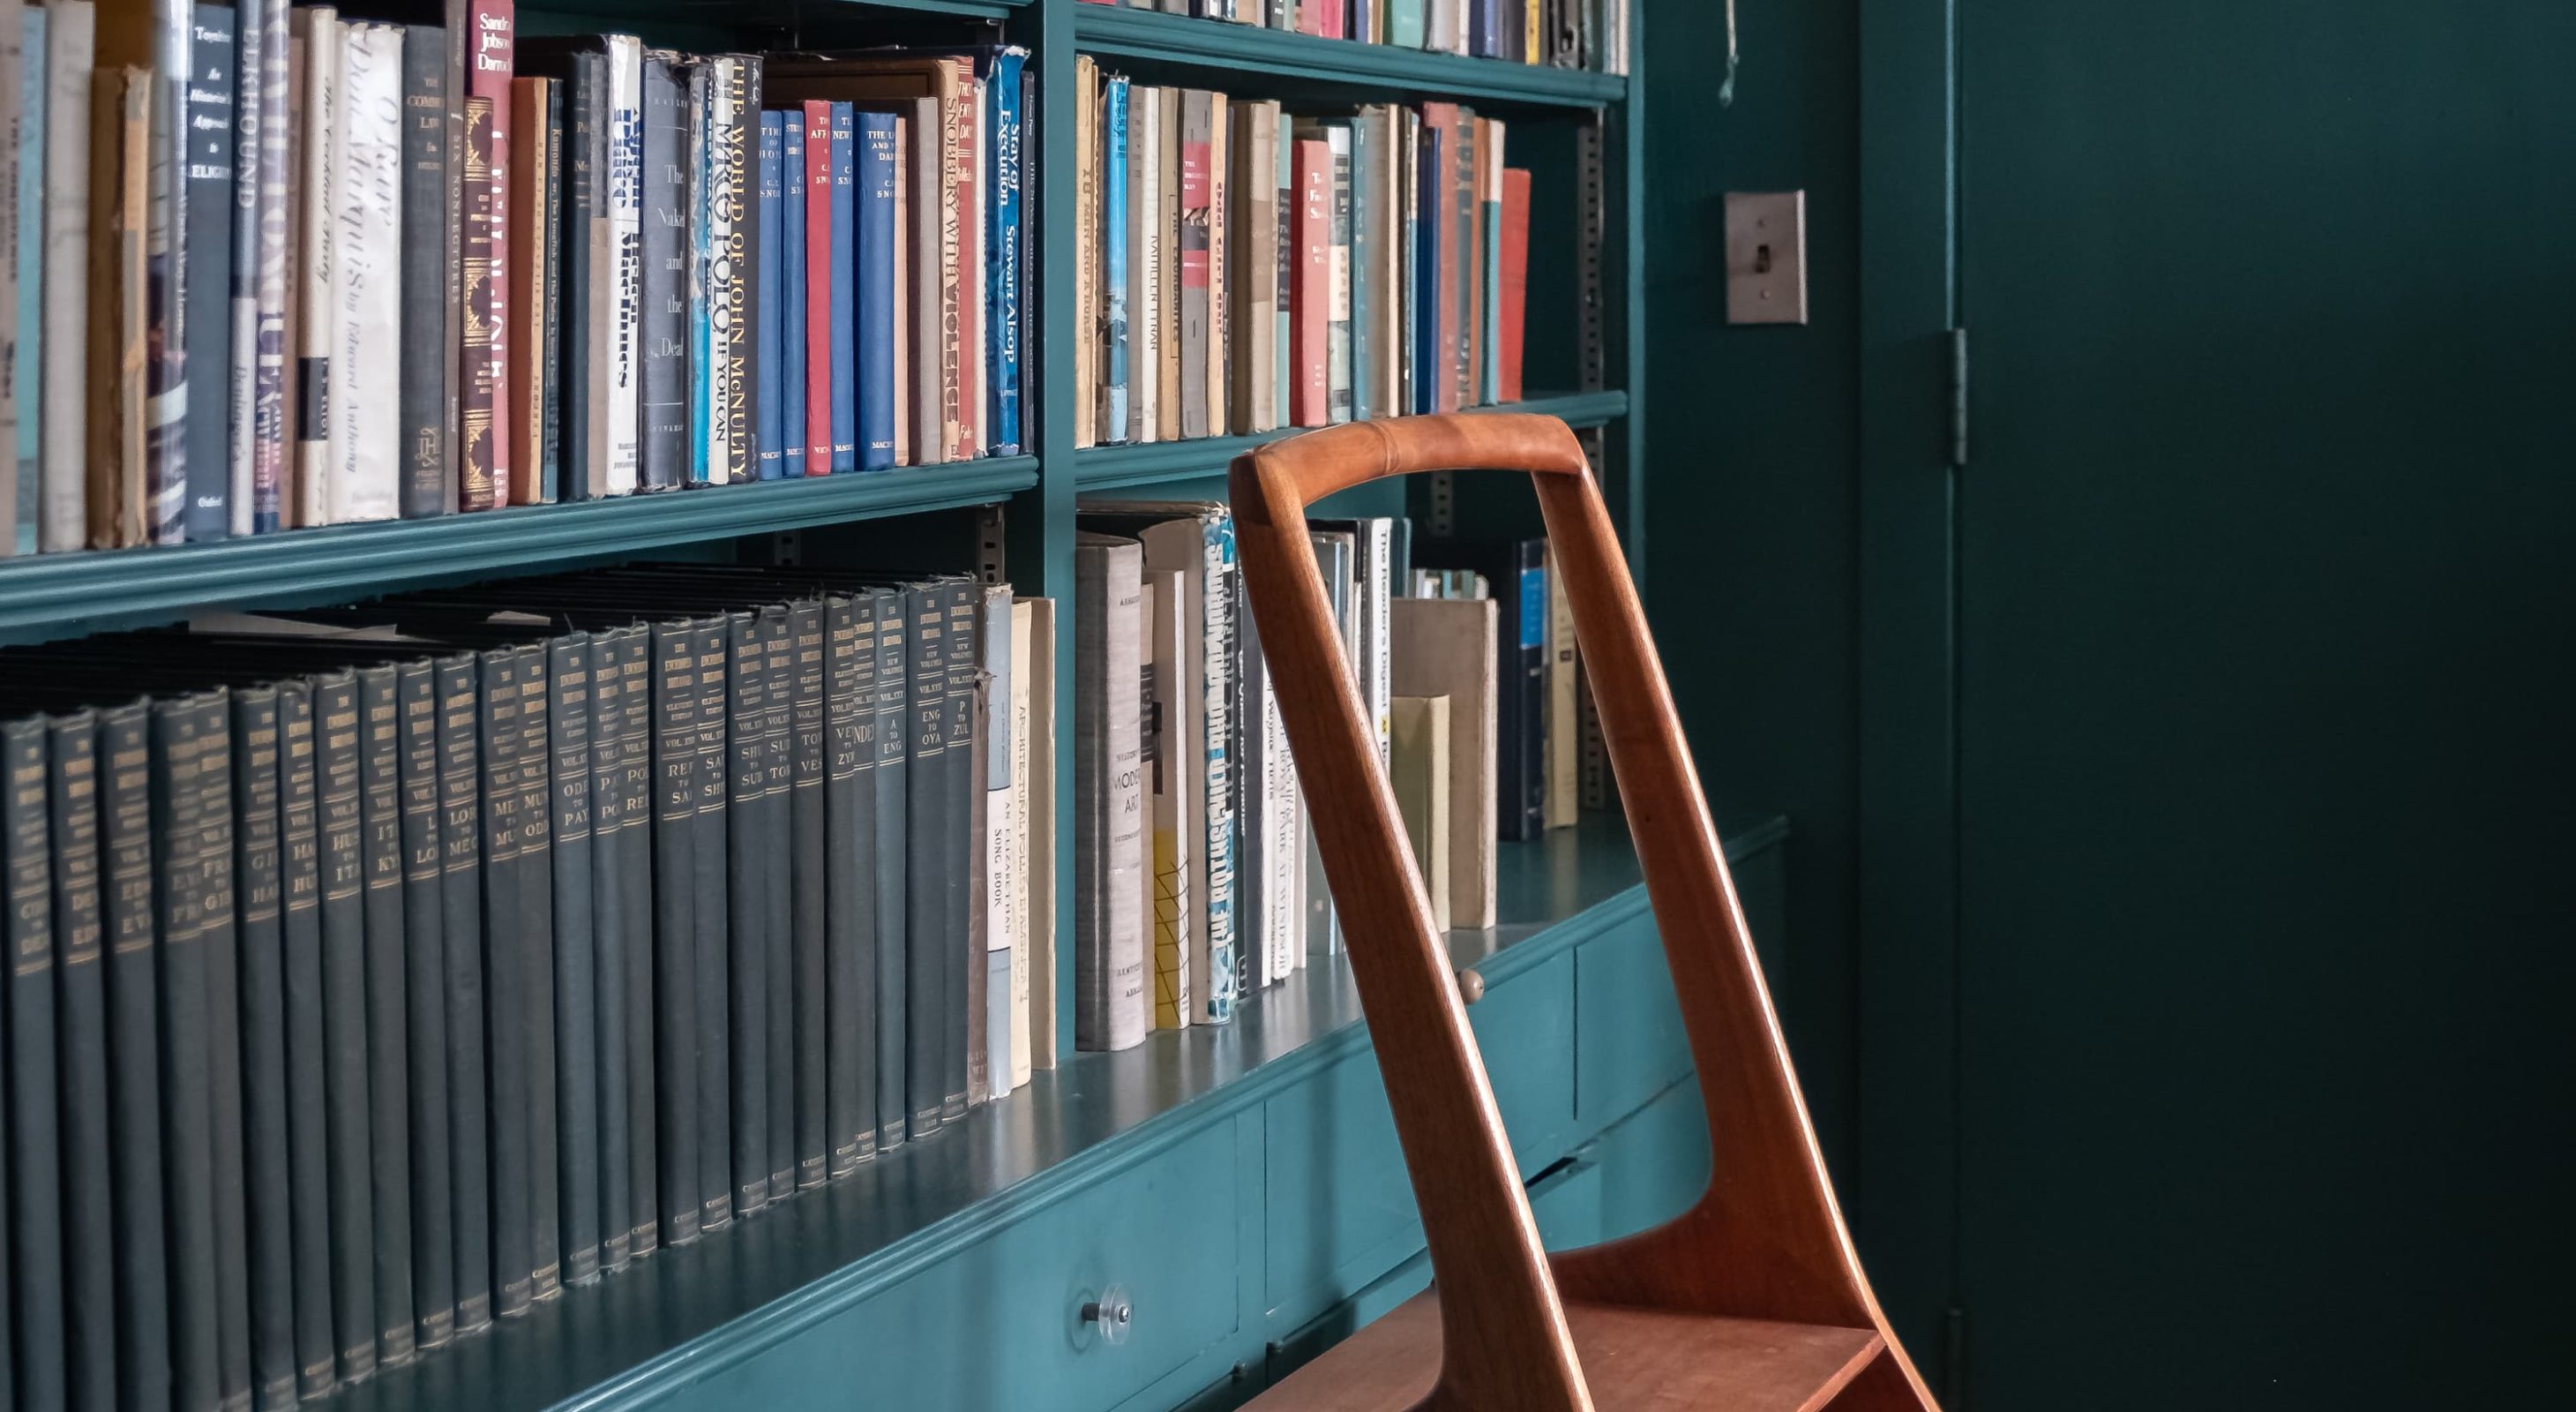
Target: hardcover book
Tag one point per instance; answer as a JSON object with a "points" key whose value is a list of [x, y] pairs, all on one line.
{"points": [[1110, 1007]]}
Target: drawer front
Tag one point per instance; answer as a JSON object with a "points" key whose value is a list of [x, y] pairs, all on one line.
{"points": [[1341, 1209], [1628, 1025], [994, 1325], [1653, 1164]]}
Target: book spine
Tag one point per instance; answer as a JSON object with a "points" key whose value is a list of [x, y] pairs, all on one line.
{"points": [[316, 315], [1314, 302], [698, 202], [179, 748], [165, 242], [874, 332], [922, 281], [226, 1131], [460, 802], [675, 983], [422, 414], [997, 902], [769, 308], [1512, 269], [536, 958], [1144, 179], [777, 889], [848, 868], [552, 323], [826, 1087], [1004, 249], [964, 164], [34, 1205], [958, 897], [142, 1371], [1088, 145], [1213, 877], [1254, 232], [819, 287], [488, 383], [1216, 376], [746, 944], [264, 157], [1339, 369], [388, 1019], [433, 1252], [606, 880], [926, 830], [710, 863], [843, 299], [505, 999], [1116, 424], [307, 1062], [623, 431], [568, 718], [635, 861], [578, 422], [1489, 281], [733, 131], [366, 427], [1521, 770], [1109, 961], [530, 197], [339, 831], [62, 471], [1463, 228], [1167, 229], [210, 187], [664, 339], [87, 1137], [793, 292], [890, 781], [1195, 135], [1285, 208], [1363, 209]]}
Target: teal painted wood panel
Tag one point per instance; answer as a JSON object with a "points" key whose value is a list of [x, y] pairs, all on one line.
{"points": [[1628, 1029], [1653, 1163], [1370, 70], [994, 1325]]}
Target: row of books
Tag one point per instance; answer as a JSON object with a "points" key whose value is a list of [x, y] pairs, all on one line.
{"points": [[381, 971], [351, 270], [1247, 270], [1566, 34], [1196, 877]]}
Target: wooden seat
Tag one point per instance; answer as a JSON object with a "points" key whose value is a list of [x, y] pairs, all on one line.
{"points": [[1750, 1301]]}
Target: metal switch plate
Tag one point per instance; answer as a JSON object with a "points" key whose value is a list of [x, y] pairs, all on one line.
{"points": [[1766, 257]]}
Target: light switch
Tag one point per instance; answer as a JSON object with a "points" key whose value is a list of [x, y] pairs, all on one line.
{"points": [[1766, 257]]}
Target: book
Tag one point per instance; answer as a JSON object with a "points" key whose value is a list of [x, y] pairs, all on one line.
{"points": [[793, 294], [533, 193], [1166, 735], [1043, 934], [1117, 263], [385, 979], [363, 427], [114, 495], [925, 980], [316, 326], [89, 1179], [1512, 277], [1446, 647], [209, 182], [1005, 249], [663, 337], [1216, 375], [1168, 198], [1313, 291], [733, 176], [433, 1253], [873, 250], [1562, 712], [1420, 779], [1110, 1009], [1253, 252], [424, 430], [1144, 178], [1087, 349], [34, 1195], [62, 520], [843, 299], [769, 322], [1018, 1061], [625, 345], [1197, 117], [820, 284]]}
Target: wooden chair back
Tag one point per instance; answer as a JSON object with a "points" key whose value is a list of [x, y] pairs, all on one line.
{"points": [[1766, 1241]]}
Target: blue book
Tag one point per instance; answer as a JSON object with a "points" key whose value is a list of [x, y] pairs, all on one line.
{"points": [[791, 298], [1428, 366], [1404, 23], [1114, 257], [874, 316], [1002, 253], [31, 275], [844, 303], [770, 328], [205, 426]]}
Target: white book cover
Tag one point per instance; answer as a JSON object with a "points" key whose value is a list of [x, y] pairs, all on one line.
{"points": [[1284, 857], [1002, 873], [719, 177], [1144, 264], [27, 282], [1165, 733], [1385, 211], [1015, 869], [1109, 964], [366, 278], [1038, 983], [626, 237], [318, 322], [62, 507]]}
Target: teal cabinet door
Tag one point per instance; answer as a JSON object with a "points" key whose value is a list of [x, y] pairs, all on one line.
{"points": [[996, 1325], [1628, 1025], [1341, 1210], [1652, 1164]]}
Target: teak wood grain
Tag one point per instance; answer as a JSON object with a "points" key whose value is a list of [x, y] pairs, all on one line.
{"points": [[1766, 1243]]}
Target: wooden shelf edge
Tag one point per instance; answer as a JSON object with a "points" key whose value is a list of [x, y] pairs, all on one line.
{"points": [[1127, 465], [1150, 36], [74, 591]]}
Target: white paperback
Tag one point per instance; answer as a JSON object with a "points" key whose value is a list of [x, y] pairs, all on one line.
{"points": [[366, 277]]}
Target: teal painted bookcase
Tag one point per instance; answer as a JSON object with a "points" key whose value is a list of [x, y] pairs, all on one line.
{"points": [[1241, 1184]]}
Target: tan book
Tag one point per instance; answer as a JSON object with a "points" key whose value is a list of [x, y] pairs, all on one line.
{"points": [[531, 194], [1039, 633], [1564, 742], [1170, 793], [1253, 212], [121, 123], [1015, 874], [1167, 136], [1445, 647], [1086, 272], [1419, 774]]}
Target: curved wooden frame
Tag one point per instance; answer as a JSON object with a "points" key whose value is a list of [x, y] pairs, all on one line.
{"points": [[1767, 1240]]}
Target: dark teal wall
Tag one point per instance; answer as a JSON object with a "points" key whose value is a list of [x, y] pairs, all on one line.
{"points": [[1755, 472]]}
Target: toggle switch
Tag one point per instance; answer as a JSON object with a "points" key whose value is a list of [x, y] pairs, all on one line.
{"points": [[1766, 257]]}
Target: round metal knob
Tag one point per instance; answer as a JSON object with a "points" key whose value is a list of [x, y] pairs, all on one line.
{"points": [[1113, 1315], [1471, 987]]}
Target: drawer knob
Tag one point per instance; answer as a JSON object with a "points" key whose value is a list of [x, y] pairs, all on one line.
{"points": [[1471, 987], [1114, 1315]]}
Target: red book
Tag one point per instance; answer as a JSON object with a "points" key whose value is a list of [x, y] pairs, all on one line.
{"points": [[1311, 295], [1514, 275], [817, 117], [487, 250], [1442, 120], [1321, 17], [964, 171]]}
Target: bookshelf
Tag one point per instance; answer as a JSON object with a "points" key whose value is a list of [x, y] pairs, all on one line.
{"points": [[685, 1328]]}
